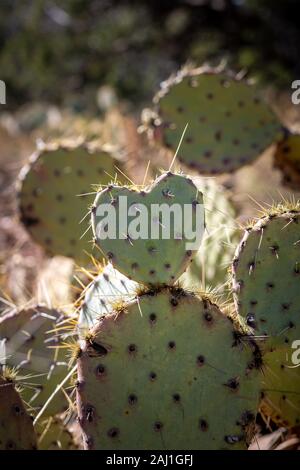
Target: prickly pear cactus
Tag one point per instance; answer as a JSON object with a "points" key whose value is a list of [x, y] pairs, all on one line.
{"points": [[266, 276], [280, 388], [55, 192], [53, 435], [16, 428], [210, 265], [171, 352], [108, 289], [287, 159], [31, 349], [229, 125], [158, 256]]}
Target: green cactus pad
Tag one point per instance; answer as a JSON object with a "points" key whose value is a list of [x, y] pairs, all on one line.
{"points": [[266, 281], [210, 265], [151, 261], [16, 428], [53, 435], [107, 289], [281, 388], [31, 350], [287, 159], [266, 276], [229, 125], [167, 372], [50, 204]]}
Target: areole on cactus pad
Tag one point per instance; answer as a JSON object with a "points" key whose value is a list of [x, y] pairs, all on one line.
{"points": [[229, 124], [167, 371], [55, 194], [152, 234]]}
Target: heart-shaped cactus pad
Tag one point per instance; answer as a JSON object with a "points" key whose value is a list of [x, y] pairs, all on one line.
{"points": [[150, 235]]}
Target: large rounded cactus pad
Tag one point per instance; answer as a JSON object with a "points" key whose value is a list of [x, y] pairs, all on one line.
{"points": [[16, 428], [55, 195], [32, 349], [281, 387], [229, 125], [287, 159], [105, 291], [266, 276], [150, 235], [167, 372], [210, 265]]}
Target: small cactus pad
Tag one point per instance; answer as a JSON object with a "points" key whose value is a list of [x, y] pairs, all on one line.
{"points": [[16, 428], [228, 123], [170, 371], [156, 256], [281, 387], [107, 289], [287, 159], [212, 261], [55, 195], [53, 435], [266, 276], [31, 350]]}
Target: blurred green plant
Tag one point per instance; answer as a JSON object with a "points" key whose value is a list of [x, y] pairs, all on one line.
{"points": [[52, 50]]}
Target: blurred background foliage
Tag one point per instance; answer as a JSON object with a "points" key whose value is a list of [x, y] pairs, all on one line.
{"points": [[55, 50]]}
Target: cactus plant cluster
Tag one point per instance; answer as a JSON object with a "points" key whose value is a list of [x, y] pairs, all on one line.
{"points": [[170, 348], [154, 350]]}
